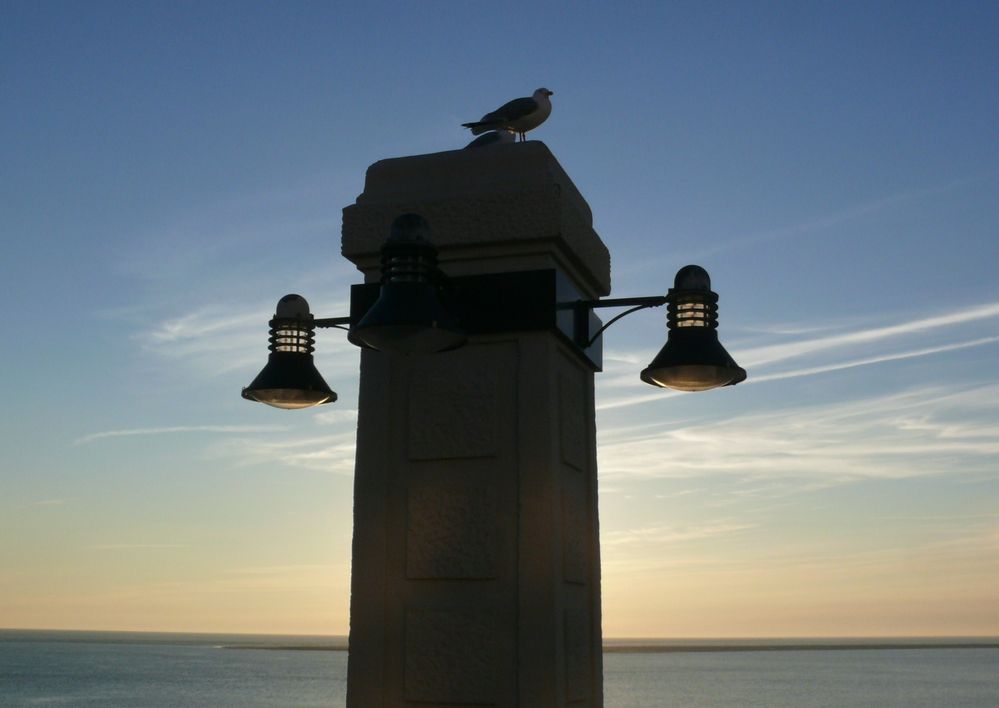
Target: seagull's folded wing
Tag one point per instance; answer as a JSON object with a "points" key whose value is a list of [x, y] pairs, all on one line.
{"points": [[517, 108]]}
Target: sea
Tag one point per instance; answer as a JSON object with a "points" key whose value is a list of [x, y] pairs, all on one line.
{"points": [[136, 670]]}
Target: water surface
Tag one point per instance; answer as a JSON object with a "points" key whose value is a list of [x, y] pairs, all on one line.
{"points": [[128, 670]]}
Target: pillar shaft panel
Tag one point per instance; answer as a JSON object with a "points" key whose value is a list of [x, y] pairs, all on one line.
{"points": [[476, 575]]}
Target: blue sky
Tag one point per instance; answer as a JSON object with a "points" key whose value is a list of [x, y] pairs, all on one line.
{"points": [[172, 169]]}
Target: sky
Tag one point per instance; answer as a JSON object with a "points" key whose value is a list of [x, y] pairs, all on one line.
{"points": [[170, 169]]}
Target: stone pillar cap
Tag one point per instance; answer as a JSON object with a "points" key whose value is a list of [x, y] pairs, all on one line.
{"points": [[490, 209]]}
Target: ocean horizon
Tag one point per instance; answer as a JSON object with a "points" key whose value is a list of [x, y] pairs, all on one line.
{"points": [[338, 642], [114, 669]]}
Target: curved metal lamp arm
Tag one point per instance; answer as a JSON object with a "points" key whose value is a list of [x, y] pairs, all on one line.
{"points": [[582, 309], [614, 319]]}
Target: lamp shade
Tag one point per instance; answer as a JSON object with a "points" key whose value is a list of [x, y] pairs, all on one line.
{"points": [[692, 359], [290, 379], [409, 316]]}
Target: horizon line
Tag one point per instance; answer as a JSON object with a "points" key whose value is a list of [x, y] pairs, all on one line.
{"points": [[618, 638]]}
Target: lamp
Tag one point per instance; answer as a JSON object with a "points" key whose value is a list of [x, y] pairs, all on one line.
{"points": [[692, 359], [290, 379], [416, 309], [409, 317]]}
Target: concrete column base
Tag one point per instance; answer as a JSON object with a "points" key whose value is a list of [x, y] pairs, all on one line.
{"points": [[476, 574]]}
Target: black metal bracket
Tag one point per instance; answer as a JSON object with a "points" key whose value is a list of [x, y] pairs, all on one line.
{"points": [[524, 301], [583, 308], [498, 303], [338, 322]]}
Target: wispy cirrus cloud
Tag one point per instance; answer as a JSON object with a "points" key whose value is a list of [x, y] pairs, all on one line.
{"points": [[219, 340], [759, 356], [914, 433], [335, 416], [958, 550], [332, 452], [217, 322], [897, 356], [665, 534], [216, 340], [176, 429], [864, 347], [199, 324]]}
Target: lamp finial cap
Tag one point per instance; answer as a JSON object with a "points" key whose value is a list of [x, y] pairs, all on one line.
{"points": [[692, 277], [410, 228], [293, 306]]}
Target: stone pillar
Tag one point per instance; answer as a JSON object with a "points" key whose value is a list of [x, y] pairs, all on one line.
{"points": [[476, 573]]}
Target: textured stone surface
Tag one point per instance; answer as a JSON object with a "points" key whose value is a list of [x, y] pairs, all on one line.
{"points": [[475, 575], [452, 409], [572, 437], [451, 533], [451, 656], [575, 533], [577, 652], [515, 196]]}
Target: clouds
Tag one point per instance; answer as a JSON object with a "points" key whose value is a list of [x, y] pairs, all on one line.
{"points": [[826, 353], [908, 433], [761, 356], [218, 340], [171, 430], [938, 428], [921, 431], [669, 534], [276, 445], [331, 452], [335, 416], [198, 325]]}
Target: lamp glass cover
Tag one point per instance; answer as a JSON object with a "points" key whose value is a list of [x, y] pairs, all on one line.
{"points": [[289, 398], [694, 377]]}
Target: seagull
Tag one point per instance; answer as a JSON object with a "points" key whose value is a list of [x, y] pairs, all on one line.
{"points": [[493, 137], [518, 116]]}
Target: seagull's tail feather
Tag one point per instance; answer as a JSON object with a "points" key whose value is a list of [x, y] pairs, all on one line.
{"points": [[480, 127]]}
